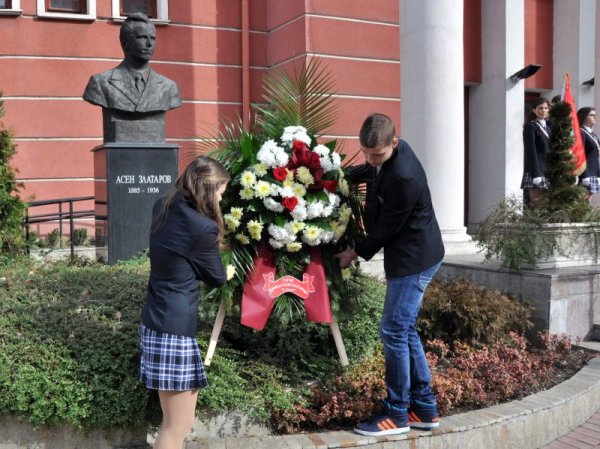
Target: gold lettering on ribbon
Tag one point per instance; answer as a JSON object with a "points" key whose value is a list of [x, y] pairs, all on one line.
{"points": [[288, 284]]}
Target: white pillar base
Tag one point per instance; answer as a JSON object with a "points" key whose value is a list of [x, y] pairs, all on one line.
{"points": [[457, 241]]}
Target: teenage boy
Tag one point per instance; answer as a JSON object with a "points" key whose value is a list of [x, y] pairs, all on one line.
{"points": [[403, 223]]}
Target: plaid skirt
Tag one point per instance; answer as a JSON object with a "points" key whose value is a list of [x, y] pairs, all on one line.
{"points": [[170, 362]]}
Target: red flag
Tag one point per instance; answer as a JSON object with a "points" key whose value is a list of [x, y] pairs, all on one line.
{"points": [[577, 148]]}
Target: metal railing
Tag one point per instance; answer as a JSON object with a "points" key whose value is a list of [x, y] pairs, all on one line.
{"points": [[61, 216]]}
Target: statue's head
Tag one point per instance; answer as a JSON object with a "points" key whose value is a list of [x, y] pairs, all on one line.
{"points": [[138, 37]]}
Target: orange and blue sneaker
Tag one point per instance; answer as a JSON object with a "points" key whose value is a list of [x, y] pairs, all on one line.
{"points": [[393, 421], [423, 415]]}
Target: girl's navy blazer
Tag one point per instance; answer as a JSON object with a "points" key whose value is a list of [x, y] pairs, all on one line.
{"points": [[182, 252]]}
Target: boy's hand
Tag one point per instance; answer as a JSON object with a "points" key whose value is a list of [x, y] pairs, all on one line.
{"points": [[346, 257]]}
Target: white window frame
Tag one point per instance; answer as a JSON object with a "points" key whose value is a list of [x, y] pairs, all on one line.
{"points": [[91, 12], [14, 10], [162, 11]]}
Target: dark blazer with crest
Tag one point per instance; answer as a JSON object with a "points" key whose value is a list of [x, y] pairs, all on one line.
{"points": [[115, 89], [182, 253], [402, 219], [592, 148], [537, 145]]}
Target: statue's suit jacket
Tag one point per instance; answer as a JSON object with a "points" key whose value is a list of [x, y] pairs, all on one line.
{"points": [[115, 89]]}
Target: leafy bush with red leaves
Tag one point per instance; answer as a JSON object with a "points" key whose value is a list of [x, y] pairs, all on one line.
{"points": [[464, 378]]}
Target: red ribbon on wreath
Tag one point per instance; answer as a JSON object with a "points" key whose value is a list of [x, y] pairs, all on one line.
{"points": [[261, 290]]}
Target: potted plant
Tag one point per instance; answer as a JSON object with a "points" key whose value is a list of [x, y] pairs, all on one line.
{"points": [[561, 229]]}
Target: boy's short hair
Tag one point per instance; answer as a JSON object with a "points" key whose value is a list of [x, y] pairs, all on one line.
{"points": [[377, 130]]}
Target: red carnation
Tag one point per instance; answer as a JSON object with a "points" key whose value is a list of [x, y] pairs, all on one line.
{"points": [[298, 145], [330, 185], [315, 162], [280, 173], [301, 155], [290, 203]]}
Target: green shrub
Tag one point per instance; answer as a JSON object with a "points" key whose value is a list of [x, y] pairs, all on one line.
{"points": [[12, 209], [464, 311], [79, 236], [70, 349], [52, 239], [69, 352]]}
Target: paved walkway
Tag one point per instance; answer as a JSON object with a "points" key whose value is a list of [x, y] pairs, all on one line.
{"points": [[585, 437]]}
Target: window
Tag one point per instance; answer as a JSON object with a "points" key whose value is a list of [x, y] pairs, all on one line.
{"points": [[147, 7], [67, 9], [10, 7], [157, 10], [72, 6]]}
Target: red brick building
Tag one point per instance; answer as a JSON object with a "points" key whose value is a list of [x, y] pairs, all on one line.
{"points": [[218, 50]]}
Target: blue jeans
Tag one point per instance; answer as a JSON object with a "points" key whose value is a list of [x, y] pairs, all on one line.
{"points": [[407, 374]]}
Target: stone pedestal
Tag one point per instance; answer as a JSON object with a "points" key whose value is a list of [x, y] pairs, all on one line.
{"points": [[128, 179]]}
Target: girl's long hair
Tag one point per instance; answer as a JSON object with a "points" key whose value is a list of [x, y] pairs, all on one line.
{"points": [[198, 184]]}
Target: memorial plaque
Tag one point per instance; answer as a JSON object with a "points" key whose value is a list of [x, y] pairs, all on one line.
{"points": [[129, 178]]}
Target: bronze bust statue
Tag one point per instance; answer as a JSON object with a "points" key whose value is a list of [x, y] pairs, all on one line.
{"points": [[134, 98]]}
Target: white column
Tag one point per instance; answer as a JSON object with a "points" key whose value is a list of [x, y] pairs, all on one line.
{"points": [[596, 306], [574, 38], [496, 111], [432, 106], [597, 79]]}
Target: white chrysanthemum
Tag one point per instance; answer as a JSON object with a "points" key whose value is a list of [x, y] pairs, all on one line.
{"points": [[315, 209], [321, 150], [286, 191], [337, 160], [230, 272], [293, 247], [262, 189], [291, 133], [236, 212], [260, 169], [242, 238], [247, 193], [247, 179], [327, 210], [271, 155], [326, 236], [281, 158], [289, 182], [304, 176], [299, 212], [276, 243], [289, 176], [273, 205], [302, 137], [281, 234], [298, 189], [334, 200], [326, 164]]}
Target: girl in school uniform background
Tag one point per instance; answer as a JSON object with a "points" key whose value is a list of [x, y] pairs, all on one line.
{"points": [[587, 120], [536, 136]]}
